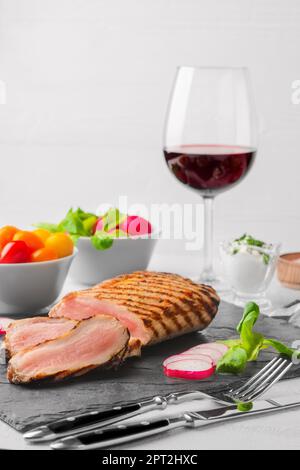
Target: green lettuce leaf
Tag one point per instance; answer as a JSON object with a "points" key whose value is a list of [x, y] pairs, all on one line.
{"points": [[245, 407], [85, 215], [281, 348], [88, 224], [77, 222], [53, 228], [112, 218], [102, 240], [233, 362], [251, 341]]}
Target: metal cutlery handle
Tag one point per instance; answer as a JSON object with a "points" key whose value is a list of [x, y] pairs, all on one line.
{"points": [[117, 434], [96, 419], [92, 420], [111, 436]]}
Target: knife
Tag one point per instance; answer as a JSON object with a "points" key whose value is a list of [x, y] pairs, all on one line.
{"points": [[95, 419], [121, 433]]}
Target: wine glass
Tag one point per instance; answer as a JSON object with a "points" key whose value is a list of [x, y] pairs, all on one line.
{"points": [[210, 137]]}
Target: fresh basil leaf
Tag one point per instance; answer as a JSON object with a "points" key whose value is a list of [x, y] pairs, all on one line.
{"points": [[101, 240], [233, 362], [53, 228]]}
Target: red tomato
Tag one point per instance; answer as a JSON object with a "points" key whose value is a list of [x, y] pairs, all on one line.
{"points": [[15, 252]]}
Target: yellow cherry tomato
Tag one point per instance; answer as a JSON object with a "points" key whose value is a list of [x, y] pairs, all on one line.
{"points": [[6, 235], [42, 233], [61, 243], [31, 239], [43, 254]]}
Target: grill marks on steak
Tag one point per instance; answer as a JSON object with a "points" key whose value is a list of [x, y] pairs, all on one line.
{"points": [[154, 306], [98, 341], [27, 333]]}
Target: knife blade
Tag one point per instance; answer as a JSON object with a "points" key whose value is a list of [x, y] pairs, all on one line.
{"points": [[95, 419], [121, 433]]}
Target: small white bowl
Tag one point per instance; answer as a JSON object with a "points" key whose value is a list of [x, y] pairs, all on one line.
{"points": [[29, 287], [126, 255]]}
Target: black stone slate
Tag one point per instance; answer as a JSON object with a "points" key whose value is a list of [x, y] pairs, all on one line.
{"points": [[24, 407]]}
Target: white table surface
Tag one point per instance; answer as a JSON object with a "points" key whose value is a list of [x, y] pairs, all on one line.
{"points": [[276, 431]]}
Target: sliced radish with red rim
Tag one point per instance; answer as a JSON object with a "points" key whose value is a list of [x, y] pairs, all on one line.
{"points": [[214, 355], [183, 356], [191, 369]]}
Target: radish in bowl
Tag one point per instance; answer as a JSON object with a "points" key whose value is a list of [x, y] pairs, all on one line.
{"points": [[134, 225]]}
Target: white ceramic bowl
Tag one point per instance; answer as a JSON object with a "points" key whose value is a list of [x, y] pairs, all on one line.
{"points": [[29, 287], [126, 255]]}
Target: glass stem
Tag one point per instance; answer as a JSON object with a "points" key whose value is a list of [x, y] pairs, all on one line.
{"points": [[208, 271]]}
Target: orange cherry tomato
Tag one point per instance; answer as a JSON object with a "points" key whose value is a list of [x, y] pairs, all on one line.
{"points": [[61, 243], [42, 234], [6, 235], [43, 254], [31, 239]]}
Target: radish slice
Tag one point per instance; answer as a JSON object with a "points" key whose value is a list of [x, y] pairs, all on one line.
{"points": [[4, 322], [191, 369], [216, 346], [183, 356], [213, 354]]}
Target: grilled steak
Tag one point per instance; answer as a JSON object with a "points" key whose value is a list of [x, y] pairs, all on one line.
{"points": [[98, 341], [153, 306], [27, 333], [103, 325]]}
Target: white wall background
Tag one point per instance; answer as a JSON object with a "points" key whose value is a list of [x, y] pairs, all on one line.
{"points": [[87, 87]]}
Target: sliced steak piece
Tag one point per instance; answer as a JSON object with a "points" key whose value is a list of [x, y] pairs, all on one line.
{"points": [[24, 334], [153, 306], [98, 341]]}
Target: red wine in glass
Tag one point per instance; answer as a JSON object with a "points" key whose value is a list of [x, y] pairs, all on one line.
{"points": [[210, 138], [210, 169]]}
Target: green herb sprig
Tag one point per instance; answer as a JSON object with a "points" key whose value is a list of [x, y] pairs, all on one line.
{"points": [[250, 343]]}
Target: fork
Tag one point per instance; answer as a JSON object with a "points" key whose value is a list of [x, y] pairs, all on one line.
{"points": [[251, 390], [258, 385]]}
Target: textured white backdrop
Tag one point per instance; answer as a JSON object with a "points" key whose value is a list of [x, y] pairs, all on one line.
{"points": [[87, 87]]}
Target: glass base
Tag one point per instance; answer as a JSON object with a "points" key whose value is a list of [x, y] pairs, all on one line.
{"points": [[265, 305], [216, 282]]}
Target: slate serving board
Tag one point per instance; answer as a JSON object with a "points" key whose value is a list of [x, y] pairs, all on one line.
{"points": [[24, 407]]}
